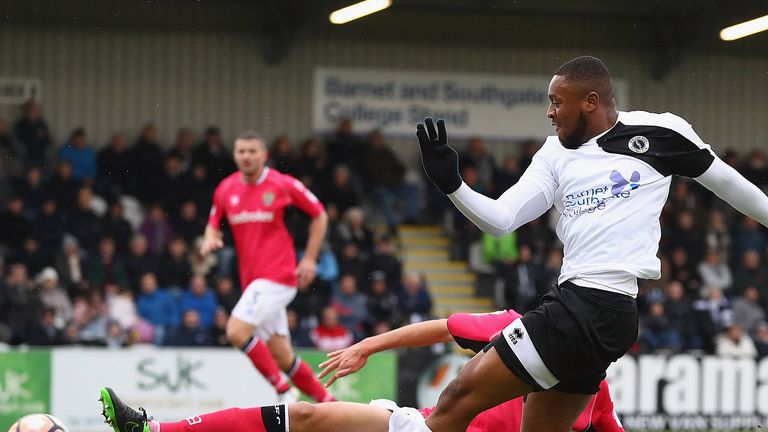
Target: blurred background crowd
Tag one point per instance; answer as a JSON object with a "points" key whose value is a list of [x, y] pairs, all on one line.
{"points": [[98, 243]]}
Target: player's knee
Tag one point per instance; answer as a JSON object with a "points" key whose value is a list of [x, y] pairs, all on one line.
{"points": [[302, 414], [237, 335]]}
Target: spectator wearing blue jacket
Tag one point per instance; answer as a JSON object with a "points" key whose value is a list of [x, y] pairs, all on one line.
{"points": [[200, 299], [80, 156], [157, 306]]}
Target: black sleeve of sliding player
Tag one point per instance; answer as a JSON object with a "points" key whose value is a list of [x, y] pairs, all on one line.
{"points": [[273, 417]]}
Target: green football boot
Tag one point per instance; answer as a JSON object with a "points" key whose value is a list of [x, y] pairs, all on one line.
{"points": [[120, 416]]}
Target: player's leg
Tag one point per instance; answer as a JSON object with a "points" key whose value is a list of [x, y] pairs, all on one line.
{"points": [[270, 320], [484, 382], [553, 410], [297, 417], [297, 369], [241, 334]]}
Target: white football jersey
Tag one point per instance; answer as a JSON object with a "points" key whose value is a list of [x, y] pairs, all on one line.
{"points": [[609, 194]]}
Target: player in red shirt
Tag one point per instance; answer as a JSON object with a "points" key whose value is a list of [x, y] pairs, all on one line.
{"points": [[253, 201], [472, 331]]}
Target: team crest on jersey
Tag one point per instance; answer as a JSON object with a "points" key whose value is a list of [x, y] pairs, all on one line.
{"points": [[268, 198], [234, 200], [639, 144]]}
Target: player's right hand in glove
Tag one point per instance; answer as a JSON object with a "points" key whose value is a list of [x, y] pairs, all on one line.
{"points": [[441, 162]]}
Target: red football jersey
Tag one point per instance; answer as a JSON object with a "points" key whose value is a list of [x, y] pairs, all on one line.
{"points": [[255, 215], [475, 331]]}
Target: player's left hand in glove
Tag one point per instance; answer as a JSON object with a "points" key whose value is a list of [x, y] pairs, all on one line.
{"points": [[441, 162]]}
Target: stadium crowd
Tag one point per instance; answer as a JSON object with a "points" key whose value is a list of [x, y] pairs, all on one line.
{"points": [[100, 247]]}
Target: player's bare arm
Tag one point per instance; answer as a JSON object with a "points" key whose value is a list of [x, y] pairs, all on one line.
{"points": [[212, 240], [307, 267], [350, 360]]}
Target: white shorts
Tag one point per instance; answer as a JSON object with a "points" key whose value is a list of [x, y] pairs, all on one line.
{"points": [[263, 306], [403, 419]]}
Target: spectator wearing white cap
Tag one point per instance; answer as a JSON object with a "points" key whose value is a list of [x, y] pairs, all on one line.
{"points": [[53, 296]]}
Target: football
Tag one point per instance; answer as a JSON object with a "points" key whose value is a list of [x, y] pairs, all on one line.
{"points": [[38, 423]]}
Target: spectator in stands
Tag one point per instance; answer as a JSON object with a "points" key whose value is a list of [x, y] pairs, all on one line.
{"points": [[749, 236], [344, 147], [105, 266], [540, 237], [82, 157], [657, 333], [157, 307], [121, 305], [31, 191], [82, 221], [190, 333], [200, 298], [49, 228], [477, 155], [32, 256], [735, 343], [353, 229], [508, 175], [45, 332], [199, 188], [22, 301], [14, 227], [350, 306], [385, 176], [678, 311], [33, 133], [94, 320], [747, 312], [684, 235], [116, 337], [340, 192], [170, 185], [751, 273], [383, 307], [681, 268], [353, 264], [188, 223], [714, 272], [713, 314], [226, 295], [756, 169], [140, 260], [174, 268], [183, 148], [298, 330], [115, 226], [415, 301], [70, 265], [156, 228], [117, 169], [312, 167], [522, 280], [330, 335], [761, 340], [384, 258], [147, 158], [718, 236], [212, 154], [12, 164], [282, 157], [219, 328], [53, 296], [64, 187]]}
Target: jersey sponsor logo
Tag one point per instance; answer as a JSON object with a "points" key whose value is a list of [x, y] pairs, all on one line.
{"points": [[639, 144], [596, 198], [234, 200], [620, 183], [249, 217], [268, 198]]}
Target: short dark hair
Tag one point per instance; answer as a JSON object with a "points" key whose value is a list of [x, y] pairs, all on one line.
{"points": [[584, 69], [250, 135]]}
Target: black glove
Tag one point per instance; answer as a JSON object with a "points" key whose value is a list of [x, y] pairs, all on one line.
{"points": [[441, 162]]}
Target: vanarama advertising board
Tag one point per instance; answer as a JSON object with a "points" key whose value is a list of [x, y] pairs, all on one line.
{"points": [[685, 392]]}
